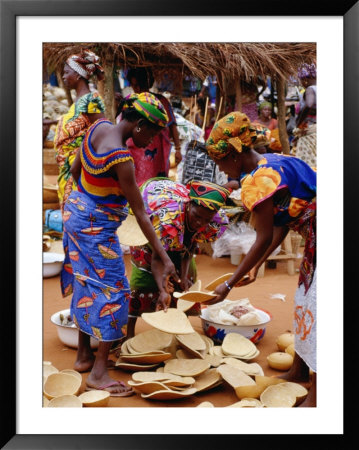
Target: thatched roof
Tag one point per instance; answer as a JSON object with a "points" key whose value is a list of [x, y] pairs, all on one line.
{"points": [[246, 61]]}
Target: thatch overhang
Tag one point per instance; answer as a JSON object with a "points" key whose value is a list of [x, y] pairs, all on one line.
{"points": [[229, 62], [232, 61]]}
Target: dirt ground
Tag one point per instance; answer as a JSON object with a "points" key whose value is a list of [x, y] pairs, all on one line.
{"points": [[274, 281]]}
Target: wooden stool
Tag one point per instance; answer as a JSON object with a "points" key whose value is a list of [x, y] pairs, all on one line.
{"points": [[288, 252]]}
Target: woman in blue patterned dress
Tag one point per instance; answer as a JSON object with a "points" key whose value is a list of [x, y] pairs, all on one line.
{"points": [[94, 269]]}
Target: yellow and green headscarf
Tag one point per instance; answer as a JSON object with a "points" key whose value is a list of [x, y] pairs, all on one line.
{"points": [[209, 195], [149, 107], [231, 133], [265, 104]]}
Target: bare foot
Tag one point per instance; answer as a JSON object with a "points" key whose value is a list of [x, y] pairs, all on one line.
{"points": [[114, 387], [84, 365], [87, 365], [295, 378], [298, 373], [311, 399]]}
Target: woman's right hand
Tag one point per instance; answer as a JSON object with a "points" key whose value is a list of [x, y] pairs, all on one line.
{"points": [[168, 270], [248, 279], [221, 291], [163, 301]]}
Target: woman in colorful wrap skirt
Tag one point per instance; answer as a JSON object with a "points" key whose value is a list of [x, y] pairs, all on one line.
{"points": [[182, 216], [71, 128], [280, 192], [94, 270]]}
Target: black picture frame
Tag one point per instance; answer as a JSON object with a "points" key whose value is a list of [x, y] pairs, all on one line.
{"points": [[10, 10]]}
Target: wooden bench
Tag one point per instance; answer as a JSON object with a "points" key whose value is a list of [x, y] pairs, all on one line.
{"points": [[288, 252]]}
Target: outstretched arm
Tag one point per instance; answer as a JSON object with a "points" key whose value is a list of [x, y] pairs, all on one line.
{"points": [[279, 234], [263, 217], [126, 175]]}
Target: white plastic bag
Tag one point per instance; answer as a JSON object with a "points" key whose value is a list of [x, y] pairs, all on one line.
{"points": [[237, 239]]}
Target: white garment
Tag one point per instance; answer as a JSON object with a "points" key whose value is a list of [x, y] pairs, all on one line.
{"points": [[305, 324]]}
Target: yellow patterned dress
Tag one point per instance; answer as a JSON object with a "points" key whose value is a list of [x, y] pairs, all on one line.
{"points": [[69, 135]]}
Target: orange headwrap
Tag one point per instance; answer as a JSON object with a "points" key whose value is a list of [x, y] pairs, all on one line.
{"points": [[231, 133]]}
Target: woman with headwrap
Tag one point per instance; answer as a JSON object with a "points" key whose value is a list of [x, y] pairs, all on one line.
{"points": [[305, 133], [87, 108], [265, 110], [182, 217], [155, 161], [280, 192], [266, 120], [94, 269]]}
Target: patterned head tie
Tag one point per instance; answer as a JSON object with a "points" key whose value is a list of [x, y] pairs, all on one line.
{"points": [[231, 133], [265, 105], [307, 71], [86, 64], [148, 106], [209, 195]]}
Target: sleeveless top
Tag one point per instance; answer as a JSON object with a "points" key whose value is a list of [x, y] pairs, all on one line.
{"points": [[95, 179], [274, 173]]}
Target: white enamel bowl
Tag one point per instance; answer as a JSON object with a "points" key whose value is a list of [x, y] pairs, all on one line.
{"points": [[52, 264], [69, 334], [217, 331]]}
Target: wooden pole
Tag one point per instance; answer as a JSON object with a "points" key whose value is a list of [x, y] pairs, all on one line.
{"points": [[191, 111], [109, 89], [238, 104], [205, 116], [283, 136], [101, 88], [219, 108]]}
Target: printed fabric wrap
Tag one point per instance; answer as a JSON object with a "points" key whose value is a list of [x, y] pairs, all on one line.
{"points": [[70, 132], [94, 178], [305, 313], [307, 71], [94, 270], [86, 64], [231, 133], [263, 135], [165, 202], [209, 195], [306, 226], [154, 160], [273, 173], [149, 107]]}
